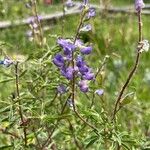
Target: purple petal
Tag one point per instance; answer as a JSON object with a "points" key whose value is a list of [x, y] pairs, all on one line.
{"points": [[67, 72], [83, 85], [86, 50], [89, 76], [99, 92], [86, 28], [61, 89], [58, 60], [7, 62], [139, 4], [91, 13]]}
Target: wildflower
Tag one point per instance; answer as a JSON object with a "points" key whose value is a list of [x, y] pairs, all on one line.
{"points": [[61, 89], [58, 60], [6, 62], [143, 46], [99, 92], [83, 69], [83, 85], [79, 61], [86, 28], [67, 46], [69, 3], [139, 4], [78, 43], [89, 75], [91, 13], [85, 2], [67, 72], [86, 50]]}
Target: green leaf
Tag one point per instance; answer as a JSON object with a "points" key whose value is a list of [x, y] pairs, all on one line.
{"points": [[6, 80], [127, 99], [6, 147], [6, 109], [91, 141], [22, 74]]}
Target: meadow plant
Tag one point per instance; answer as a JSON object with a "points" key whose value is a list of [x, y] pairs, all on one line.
{"points": [[58, 102]]}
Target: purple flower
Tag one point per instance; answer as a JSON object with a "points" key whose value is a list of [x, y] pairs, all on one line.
{"points": [[89, 75], [6, 62], [67, 72], [79, 61], [61, 89], [83, 85], [85, 2], [86, 50], [99, 92], [91, 13], [83, 69], [58, 60], [86, 28], [78, 43], [69, 3], [67, 46], [139, 4]]}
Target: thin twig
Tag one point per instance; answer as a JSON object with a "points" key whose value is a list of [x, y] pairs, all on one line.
{"points": [[20, 108], [132, 71], [4, 131], [73, 80]]}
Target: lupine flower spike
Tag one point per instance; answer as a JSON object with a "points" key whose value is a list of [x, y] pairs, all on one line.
{"points": [[139, 4]]}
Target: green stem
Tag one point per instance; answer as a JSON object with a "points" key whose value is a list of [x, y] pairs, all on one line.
{"points": [[20, 108]]}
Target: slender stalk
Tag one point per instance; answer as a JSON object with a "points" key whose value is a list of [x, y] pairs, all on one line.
{"points": [[132, 71], [63, 18], [35, 13], [20, 108], [72, 61], [73, 80]]}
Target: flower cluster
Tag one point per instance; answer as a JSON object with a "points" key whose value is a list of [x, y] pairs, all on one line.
{"points": [[81, 69], [71, 62], [139, 4]]}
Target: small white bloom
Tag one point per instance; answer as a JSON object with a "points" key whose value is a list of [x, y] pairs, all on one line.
{"points": [[144, 46], [7, 62], [86, 28]]}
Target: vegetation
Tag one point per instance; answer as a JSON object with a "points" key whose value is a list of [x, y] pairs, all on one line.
{"points": [[35, 115]]}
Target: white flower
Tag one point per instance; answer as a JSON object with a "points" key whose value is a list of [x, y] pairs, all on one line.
{"points": [[144, 46]]}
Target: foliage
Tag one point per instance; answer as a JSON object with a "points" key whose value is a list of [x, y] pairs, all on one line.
{"points": [[30, 86]]}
